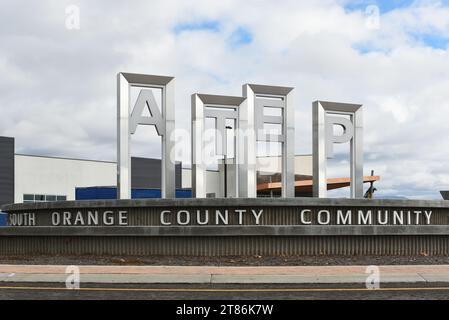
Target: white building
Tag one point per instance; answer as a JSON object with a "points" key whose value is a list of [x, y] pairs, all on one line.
{"points": [[42, 178], [39, 178]]}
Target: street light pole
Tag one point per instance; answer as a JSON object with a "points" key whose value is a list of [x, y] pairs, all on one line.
{"points": [[226, 164]]}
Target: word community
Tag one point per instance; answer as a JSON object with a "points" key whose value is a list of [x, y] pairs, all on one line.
{"points": [[367, 217]]}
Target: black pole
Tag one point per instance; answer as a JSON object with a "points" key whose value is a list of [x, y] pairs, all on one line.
{"points": [[225, 177]]}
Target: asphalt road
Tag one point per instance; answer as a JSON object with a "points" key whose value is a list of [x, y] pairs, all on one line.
{"points": [[57, 291]]}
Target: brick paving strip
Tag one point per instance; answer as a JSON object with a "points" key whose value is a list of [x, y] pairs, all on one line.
{"points": [[212, 274]]}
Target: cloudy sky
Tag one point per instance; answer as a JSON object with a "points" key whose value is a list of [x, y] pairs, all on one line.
{"points": [[58, 78]]}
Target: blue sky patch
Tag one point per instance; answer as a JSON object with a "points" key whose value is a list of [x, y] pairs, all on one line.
{"points": [[432, 40], [365, 48], [240, 37], [211, 26], [384, 5]]}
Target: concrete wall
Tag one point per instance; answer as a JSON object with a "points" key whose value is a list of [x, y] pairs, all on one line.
{"points": [[401, 245], [60, 176], [6, 170], [57, 176], [270, 165], [212, 178], [280, 232]]}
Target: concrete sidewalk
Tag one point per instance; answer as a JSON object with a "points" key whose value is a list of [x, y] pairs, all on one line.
{"points": [[216, 275]]}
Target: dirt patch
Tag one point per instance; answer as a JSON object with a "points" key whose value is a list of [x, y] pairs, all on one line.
{"points": [[321, 260]]}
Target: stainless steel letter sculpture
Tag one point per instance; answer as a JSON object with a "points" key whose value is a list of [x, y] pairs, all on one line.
{"points": [[325, 116], [221, 108], [260, 97], [128, 120]]}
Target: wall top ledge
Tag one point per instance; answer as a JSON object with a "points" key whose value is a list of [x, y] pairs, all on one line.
{"points": [[229, 202]]}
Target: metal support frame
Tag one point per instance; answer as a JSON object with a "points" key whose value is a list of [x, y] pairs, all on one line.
{"points": [[129, 118], [324, 118], [259, 97], [224, 107]]}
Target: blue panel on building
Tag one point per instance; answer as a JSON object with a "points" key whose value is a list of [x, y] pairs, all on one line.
{"points": [[3, 219], [105, 193], [183, 193], [94, 193]]}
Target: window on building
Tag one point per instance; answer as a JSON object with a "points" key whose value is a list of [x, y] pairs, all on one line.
{"points": [[43, 197], [39, 197], [50, 198], [28, 198]]}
